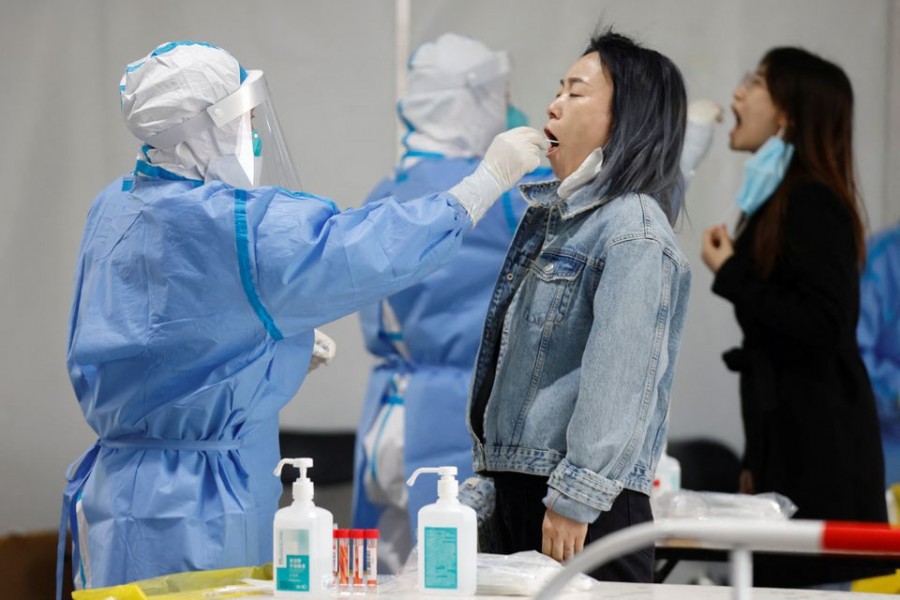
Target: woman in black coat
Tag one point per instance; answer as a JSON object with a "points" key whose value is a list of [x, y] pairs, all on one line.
{"points": [[793, 276]]}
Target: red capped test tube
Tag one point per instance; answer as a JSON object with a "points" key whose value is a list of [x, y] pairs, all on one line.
{"points": [[334, 553], [370, 574], [342, 537], [356, 537]]}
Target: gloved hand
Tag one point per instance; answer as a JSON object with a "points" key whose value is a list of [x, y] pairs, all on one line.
{"points": [[702, 115], [511, 155], [705, 111], [324, 350]]}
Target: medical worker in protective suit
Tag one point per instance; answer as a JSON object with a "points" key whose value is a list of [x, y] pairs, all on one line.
{"points": [[878, 335], [426, 336], [197, 291]]}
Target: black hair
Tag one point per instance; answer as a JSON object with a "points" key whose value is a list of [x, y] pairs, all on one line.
{"points": [[649, 112]]}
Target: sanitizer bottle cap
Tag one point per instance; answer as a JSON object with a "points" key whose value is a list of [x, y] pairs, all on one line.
{"points": [[303, 488], [448, 487]]}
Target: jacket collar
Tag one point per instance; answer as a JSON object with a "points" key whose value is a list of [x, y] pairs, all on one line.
{"points": [[543, 194]]}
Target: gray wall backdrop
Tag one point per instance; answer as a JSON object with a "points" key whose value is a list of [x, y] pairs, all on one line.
{"points": [[330, 64]]}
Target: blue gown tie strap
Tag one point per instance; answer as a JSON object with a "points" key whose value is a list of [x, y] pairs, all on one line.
{"points": [[79, 471]]}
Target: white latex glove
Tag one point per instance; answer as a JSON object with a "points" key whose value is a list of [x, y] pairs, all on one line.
{"points": [[324, 350], [704, 110], [702, 115], [511, 155]]}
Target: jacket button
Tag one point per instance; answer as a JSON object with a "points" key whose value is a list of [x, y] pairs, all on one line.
{"points": [[509, 276], [548, 268]]}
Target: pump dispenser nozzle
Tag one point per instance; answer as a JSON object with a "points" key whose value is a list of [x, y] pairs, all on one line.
{"points": [[448, 487], [303, 488]]}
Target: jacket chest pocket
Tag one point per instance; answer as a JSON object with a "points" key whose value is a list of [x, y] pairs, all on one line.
{"points": [[548, 287]]}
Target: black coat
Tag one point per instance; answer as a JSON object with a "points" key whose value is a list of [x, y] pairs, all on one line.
{"points": [[809, 415]]}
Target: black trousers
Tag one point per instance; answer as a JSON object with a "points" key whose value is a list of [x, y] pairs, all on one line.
{"points": [[520, 515]]}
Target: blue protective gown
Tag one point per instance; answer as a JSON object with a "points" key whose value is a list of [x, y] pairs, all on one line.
{"points": [[878, 334], [192, 325], [441, 320]]}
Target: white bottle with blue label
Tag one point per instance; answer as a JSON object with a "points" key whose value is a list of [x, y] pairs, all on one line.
{"points": [[448, 539], [301, 558]]}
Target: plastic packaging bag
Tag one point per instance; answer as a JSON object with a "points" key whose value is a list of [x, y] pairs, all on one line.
{"points": [[522, 574], [519, 574], [198, 585], [686, 504]]}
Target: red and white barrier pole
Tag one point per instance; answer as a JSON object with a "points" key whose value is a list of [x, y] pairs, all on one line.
{"points": [[744, 535]]}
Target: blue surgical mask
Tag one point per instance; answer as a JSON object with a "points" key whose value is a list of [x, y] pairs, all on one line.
{"points": [[763, 173], [515, 117]]}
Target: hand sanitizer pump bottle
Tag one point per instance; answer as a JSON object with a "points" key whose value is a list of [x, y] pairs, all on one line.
{"points": [[301, 559], [448, 539]]}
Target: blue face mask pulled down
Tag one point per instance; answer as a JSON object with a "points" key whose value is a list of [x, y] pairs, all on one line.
{"points": [[515, 117], [763, 172]]}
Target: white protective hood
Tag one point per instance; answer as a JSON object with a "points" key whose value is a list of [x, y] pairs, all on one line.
{"points": [[457, 97], [203, 117]]}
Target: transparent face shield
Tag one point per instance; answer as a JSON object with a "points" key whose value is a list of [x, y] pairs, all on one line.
{"points": [[257, 154], [271, 157]]}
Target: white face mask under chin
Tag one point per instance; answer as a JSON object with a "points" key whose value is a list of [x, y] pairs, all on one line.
{"points": [[584, 174]]}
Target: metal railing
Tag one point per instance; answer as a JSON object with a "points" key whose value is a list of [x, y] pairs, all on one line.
{"points": [[742, 537]]}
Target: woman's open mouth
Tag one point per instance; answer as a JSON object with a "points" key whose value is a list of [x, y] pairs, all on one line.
{"points": [[554, 143], [737, 119]]}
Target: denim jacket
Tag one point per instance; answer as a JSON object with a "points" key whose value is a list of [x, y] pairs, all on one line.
{"points": [[578, 353]]}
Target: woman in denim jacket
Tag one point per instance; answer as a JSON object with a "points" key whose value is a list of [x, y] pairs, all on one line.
{"points": [[570, 398]]}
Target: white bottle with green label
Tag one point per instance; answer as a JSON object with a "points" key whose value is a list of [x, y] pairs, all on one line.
{"points": [[301, 558], [448, 539]]}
